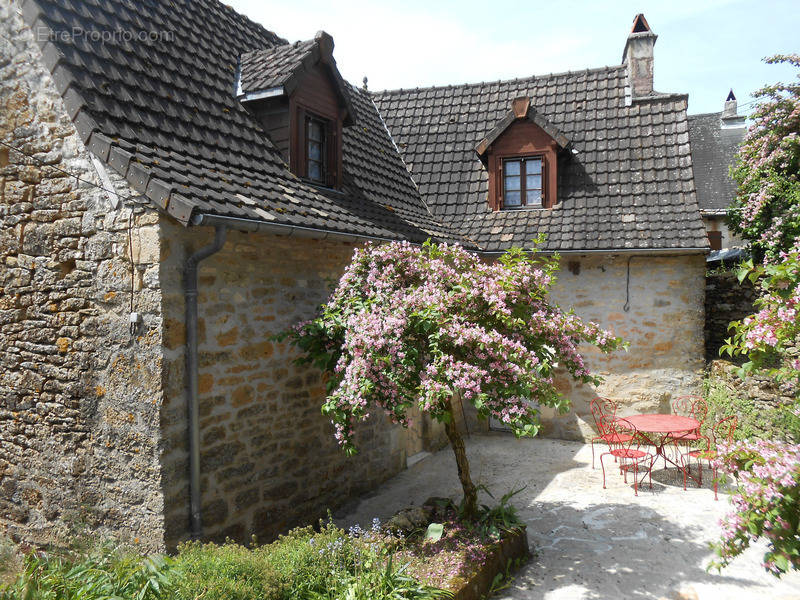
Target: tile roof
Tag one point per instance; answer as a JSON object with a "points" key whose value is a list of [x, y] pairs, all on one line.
{"points": [[630, 185], [264, 69], [713, 150], [162, 113]]}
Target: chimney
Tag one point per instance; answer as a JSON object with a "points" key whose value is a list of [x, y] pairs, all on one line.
{"points": [[730, 114], [638, 57]]}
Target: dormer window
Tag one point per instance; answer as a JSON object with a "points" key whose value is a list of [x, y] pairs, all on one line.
{"points": [[315, 149], [521, 157], [299, 97], [523, 182]]}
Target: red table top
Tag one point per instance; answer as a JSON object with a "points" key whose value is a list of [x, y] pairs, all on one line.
{"points": [[661, 423]]}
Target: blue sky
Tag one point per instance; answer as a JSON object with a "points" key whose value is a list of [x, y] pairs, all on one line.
{"points": [[704, 47]]}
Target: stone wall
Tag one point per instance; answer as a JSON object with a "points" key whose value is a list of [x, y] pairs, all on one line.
{"points": [[726, 300], [269, 460], [79, 395], [663, 323]]}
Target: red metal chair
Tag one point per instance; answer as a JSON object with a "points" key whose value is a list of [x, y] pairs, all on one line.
{"points": [[604, 407], [689, 406], [628, 453], [721, 431]]}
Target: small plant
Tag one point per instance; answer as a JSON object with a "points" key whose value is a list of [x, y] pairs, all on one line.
{"points": [[107, 572]]}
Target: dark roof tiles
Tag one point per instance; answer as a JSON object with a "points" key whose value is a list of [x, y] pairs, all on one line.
{"points": [[714, 149], [163, 114], [627, 155]]}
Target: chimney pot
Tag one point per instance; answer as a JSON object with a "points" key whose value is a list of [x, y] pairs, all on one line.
{"points": [[731, 109], [638, 57]]}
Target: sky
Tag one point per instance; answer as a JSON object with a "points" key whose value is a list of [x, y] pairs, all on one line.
{"points": [[704, 47]]}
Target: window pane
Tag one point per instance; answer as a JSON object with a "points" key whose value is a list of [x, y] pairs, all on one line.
{"points": [[512, 183], [314, 150], [533, 198], [533, 165], [511, 167], [315, 130], [533, 182], [511, 199], [315, 171]]}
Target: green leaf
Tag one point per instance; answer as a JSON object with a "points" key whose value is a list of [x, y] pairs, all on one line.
{"points": [[434, 532]]}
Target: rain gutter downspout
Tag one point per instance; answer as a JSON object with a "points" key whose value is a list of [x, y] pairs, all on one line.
{"points": [[190, 295]]}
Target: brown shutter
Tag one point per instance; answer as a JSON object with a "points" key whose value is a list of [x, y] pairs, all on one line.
{"points": [[715, 239], [302, 144], [499, 185], [331, 143]]}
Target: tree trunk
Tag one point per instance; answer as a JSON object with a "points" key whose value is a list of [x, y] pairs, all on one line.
{"points": [[457, 443]]}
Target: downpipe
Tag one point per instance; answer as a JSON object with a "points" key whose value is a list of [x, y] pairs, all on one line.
{"points": [[192, 369]]}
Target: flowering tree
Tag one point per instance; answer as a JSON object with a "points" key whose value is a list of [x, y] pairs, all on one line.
{"points": [[766, 502], [420, 326], [767, 207]]}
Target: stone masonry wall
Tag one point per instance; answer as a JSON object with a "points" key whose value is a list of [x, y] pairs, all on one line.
{"points": [[79, 395], [664, 325], [726, 300], [269, 460]]}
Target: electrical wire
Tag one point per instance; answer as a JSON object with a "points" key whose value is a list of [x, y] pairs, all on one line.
{"points": [[75, 176]]}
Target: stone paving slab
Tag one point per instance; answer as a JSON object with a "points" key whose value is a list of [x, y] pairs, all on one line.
{"points": [[591, 543]]}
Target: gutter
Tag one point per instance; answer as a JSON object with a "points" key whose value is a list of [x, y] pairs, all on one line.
{"points": [[190, 295], [251, 226], [616, 251]]}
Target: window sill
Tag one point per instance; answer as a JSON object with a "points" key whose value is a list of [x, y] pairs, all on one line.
{"points": [[522, 208]]}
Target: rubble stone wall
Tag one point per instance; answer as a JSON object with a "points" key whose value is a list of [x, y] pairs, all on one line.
{"points": [[79, 394], [269, 460], [726, 300], [663, 323]]}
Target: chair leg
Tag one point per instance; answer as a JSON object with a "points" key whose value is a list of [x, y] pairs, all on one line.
{"points": [[604, 470], [715, 484], [635, 478]]}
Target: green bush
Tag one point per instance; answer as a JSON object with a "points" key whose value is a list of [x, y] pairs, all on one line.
{"points": [[754, 422], [306, 565], [106, 572]]}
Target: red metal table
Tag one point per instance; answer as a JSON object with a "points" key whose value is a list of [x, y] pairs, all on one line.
{"points": [[658, 430]]}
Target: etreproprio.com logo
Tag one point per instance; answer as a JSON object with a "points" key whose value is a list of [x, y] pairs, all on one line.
{"points": [[105, 36]]}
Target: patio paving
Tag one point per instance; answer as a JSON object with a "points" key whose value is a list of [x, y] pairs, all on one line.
{"points": [[589, 542]]}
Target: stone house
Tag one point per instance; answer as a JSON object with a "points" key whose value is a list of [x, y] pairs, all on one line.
{"points": [[715, 139], [178, 184]]}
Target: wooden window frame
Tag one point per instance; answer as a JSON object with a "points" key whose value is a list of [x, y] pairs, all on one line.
{"points": [[332, 151], [324, 161], [501, 178]]}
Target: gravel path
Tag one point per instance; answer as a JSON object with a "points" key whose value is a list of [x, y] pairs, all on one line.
{"points": [[589, 542]]}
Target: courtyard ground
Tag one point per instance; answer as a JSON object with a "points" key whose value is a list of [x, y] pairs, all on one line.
{"points": [[590, 543]]}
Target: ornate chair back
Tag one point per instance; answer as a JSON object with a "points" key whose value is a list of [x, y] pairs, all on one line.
{"points": [[723, 431]]}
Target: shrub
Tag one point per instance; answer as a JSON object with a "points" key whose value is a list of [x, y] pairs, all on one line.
{"points": [[106, 572], [754, 421], [421, 326]]}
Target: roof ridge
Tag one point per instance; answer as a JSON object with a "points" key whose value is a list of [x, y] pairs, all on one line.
{"points": [[496, 81], [707, 114], [287, 45]]}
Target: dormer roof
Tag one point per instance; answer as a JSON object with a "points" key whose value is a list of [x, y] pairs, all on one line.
{"points": [[279, 70], [521, 109]]}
